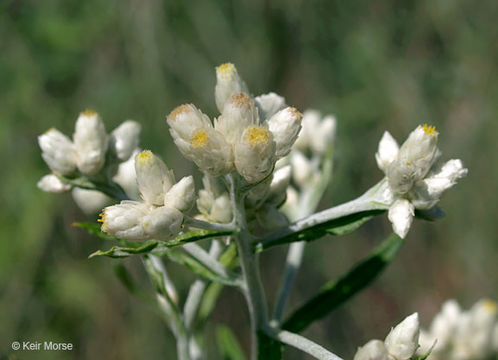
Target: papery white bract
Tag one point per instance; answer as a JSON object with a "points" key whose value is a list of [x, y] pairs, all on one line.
{"points": [[181, 196], [255, 154], [269, 104], [162, 223], [51, 183], [387, 151], [124, 139], [228, 83], [401, 215], [91, 142], [316, 134], [58, 152], [402, 342], [238, 114], [154, 179], [90, 201], [372, 350], [124, 220], [285, 126]]}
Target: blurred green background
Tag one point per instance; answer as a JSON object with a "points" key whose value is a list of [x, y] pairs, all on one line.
{"points": [[378, 65]]}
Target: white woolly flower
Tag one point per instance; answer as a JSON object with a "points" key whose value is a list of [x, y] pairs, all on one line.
{"points": [[269, 104], [213, 202], [154, 179], [372, 350], [58, 152], [316, 133], [199, 142], [285, 126], [414, 159], [255, 154], [124, 220], [162, 223], [302, 170], [126, 177], [387, 152], [278, 186], [181, 196], [401, 215], [413, 175], [238, 114], [51, 183], [402, 341], [228, 83], [125, 138], [90, 201], [90, 140], [444, 324]]}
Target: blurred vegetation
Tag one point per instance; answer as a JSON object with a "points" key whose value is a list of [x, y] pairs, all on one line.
{"points": [[378, 65]]}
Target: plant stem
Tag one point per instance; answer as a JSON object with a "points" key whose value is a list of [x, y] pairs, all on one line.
{"points": [[207, 225], [305, 345], [253, 289]]}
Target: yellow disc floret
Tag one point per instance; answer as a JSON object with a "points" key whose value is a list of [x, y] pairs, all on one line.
{"points": [[490, 305], [102, 219], [144, 156], [89, 112], [430, 130], [256, 135], [240, 100], [200, 139], [226, 69]]}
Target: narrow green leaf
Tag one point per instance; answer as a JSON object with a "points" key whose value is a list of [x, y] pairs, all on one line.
{"points": [[120, 251], [431, 214], [335, 293], [338, 226], [190, 236], [269, 348], [228, 344]]}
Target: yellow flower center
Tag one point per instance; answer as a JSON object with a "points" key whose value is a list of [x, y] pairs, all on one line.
{"points": [[102, 219], [430, 130], [256, 135], [226, 69], [490, 306], [89, 112], [200, 139], [144, 156]]}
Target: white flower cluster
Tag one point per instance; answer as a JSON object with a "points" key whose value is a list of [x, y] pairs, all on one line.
{"points": [[249, 136], [94, 153], [160, 213], [214, 201], [462, 335], [415, 177], [400, 344]]}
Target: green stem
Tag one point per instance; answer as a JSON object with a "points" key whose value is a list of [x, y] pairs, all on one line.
{"points": [[253, 289]]}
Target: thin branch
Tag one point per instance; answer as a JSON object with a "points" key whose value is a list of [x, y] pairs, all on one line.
{"points": [[208, 225], [304, 344]]}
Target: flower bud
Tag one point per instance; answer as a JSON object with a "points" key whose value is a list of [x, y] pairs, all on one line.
{"points": [[444, 324], [51, 183], [309, 130], [402, 341], [126, 177], [185, 120], [270, 218], [269, 104], [181, 196], [415, 158], [228, 83], [58, 152], [401, 215], [387, 152], [325, 136], [125, 138], [278, 186], [163, 223], [372, 350], [302, 171], [450, 172], [90, 201], [90, 140], [199, 142], [124, 220], [285, 126], [154, 179], [255, 154], [238, 114]]}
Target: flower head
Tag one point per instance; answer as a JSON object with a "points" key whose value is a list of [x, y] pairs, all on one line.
{"points": [[416, 180]]}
